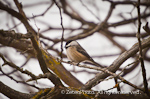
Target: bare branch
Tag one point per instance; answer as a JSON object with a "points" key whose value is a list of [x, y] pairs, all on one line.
{"points": [[62, 37], [13, 93], [140, 50], [117, 63], [23, 82], [16, 67]]}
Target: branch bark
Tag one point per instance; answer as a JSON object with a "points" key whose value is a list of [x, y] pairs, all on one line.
{"points": [[140, 50], [13, 94], [23, 45]]}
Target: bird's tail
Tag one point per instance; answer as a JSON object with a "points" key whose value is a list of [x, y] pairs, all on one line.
{"points": [[97, 64], [94, 63]]}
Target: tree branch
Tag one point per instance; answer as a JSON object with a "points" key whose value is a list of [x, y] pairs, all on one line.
{"points": [[62, 37], [140, 50], [13, 94], [117, 63]]}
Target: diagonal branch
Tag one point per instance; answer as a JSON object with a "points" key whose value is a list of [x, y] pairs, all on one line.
{"points": [[13, 93], [117, 63]]}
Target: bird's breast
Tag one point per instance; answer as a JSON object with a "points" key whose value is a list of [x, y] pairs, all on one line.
{"points": [[74, 55]]}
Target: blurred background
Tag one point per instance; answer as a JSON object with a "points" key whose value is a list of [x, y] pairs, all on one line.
{"points": [[79, 17]]}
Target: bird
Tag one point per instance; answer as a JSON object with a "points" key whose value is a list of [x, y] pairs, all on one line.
{"points": [[76, 53]]}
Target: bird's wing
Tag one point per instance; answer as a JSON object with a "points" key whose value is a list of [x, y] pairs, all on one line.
{"points": [[82, 51]]}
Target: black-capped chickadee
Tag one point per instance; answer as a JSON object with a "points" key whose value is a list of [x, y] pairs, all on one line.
{"points": [[77, 54]]}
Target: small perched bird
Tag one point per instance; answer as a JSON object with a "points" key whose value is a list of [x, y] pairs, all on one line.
{"points": [[77, 54]]}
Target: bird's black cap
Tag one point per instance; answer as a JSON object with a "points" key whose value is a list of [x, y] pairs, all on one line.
{"points": [[68, 43]]}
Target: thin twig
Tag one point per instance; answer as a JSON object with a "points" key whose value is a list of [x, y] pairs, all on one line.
{"points": [[127, 66], [46, 75], [36, 25], [62, 37], [42, 14], [146, 28], [17, 68], [17, 80], [117, 84], [89, 10], [140, 50]]}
